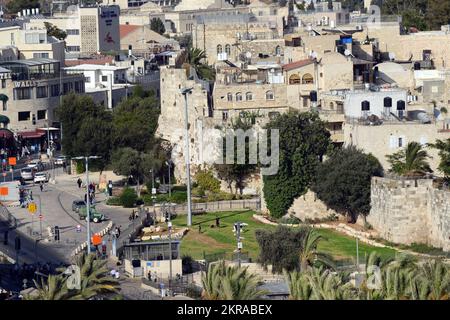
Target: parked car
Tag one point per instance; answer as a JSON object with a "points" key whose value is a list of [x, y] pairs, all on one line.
{"points": [[94, 214], [27, 173], [60, 160], [77, 204], [36, 164], [40, 177]]}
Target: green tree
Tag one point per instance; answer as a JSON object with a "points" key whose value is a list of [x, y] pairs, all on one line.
{"points": [[54, 31], [131, 162], [343, 181], [438, 14], [195, 58], [86, 128], [206, 181], [444, 153], [236, 172], [311, 6], [157, 25], [304, 140], [135, 121], [53, 288], [410, 161], [221, 282], [95, 278], [290, 249], [309, 255], [15, 6]]}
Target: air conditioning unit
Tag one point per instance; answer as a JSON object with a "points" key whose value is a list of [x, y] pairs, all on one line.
{"points": [[359, 27]]}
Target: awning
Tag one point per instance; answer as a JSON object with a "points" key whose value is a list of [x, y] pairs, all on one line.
{"points": [[49, 129], [3, 97], [31, 134]]}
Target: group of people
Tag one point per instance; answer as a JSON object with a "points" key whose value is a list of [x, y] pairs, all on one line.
{"points": [[116, 232], [133, 215], [91, 189]]}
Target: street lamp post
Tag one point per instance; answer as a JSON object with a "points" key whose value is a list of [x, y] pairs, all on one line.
{"points": [[88, 215], [185, 92], [169, 163]]}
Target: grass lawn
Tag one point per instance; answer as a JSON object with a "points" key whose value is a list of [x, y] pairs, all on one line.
{"points": [[222, 240]]}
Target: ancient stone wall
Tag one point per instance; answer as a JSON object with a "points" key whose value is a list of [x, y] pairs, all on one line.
{"points": [[410, 211]]}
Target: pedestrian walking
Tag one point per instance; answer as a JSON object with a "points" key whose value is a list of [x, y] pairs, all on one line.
{"points": [[119, 231], [79, 182], [199, 228], [31, 195], [217, 222], [64, 166], [41, 186]]}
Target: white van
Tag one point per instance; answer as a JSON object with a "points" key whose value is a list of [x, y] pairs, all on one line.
{"points": [[27, 173]]}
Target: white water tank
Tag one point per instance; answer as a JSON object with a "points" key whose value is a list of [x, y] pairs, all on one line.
{"points": [[333, 24], [37, 10], [28, 12], [24, 12]]}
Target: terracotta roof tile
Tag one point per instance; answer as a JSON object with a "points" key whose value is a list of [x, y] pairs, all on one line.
{"points": [[126, 29], [297, 64], [99, 61]]}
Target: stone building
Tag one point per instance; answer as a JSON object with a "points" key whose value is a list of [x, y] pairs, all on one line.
{"points": [[410, 211], [30, 91]]}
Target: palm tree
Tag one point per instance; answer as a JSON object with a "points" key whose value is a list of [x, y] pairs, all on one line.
{"points": [[434, 280], [194, 58], [444, 153], [298, 284], [222, 282], [53, 288], [95, 278], [410, 161], [328, 286], [309, 254]]}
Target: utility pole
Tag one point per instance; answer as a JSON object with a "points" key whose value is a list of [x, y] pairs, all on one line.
{"points": [[237, 227], [88, 215], [185, 92], [169, 227], [357, 254]]}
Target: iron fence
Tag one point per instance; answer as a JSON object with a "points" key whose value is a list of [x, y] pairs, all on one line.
{"points": [[227, 205]]}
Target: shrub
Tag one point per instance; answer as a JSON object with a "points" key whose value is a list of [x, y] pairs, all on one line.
{"points": [[198, 192], [179, 188], [206, 181], [290, 220], [178, 197], [187, 264], [128, 198], [113, 201], [80, 167]]}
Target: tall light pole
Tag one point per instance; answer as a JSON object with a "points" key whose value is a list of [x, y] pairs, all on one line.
{"points": [[88, 215], [169, 163], [185, 92]]}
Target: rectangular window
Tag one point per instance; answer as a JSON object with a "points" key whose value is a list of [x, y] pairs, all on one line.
{"points": [[41, 92], [24, 116], [22, 93], [42, 114], [73, 48], [73, 32], [3, 83], [38, 55], [54, 90], [224, 115], [87, 79], [104, 78], [400, 142]]}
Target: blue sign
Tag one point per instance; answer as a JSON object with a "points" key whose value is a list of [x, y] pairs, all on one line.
{"points": [[149, 263]]}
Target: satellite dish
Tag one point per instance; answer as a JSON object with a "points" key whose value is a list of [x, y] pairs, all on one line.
{"points": [[248, 54], [347, 52], [391, 56]]}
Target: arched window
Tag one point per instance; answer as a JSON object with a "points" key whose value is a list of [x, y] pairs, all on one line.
{"points": [[228, 49], [278, 51], [307, 79], [219, 48], [238, 96], [331, 106], [229, 96], [269, 95], [249, 96], [294, 79]]}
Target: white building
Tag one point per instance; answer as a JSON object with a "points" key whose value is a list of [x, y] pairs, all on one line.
{"points": [[106, 84]]}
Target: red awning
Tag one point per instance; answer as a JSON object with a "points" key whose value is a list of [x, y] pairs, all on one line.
{"points": [[31, 134]]}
